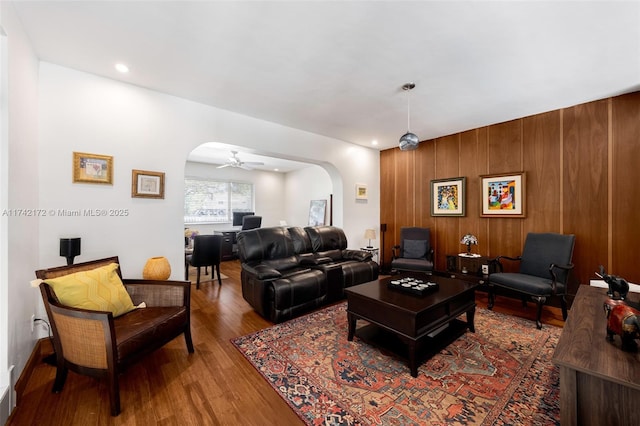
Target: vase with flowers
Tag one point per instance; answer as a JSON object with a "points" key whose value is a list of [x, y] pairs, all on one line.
{"points": [[189, 235]]}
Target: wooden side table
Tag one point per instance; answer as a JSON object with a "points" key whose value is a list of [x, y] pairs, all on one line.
{"points": [[468, 269], [466, 265]]}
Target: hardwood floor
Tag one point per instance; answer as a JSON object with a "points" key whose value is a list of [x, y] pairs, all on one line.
{"points": [[213, 386]]}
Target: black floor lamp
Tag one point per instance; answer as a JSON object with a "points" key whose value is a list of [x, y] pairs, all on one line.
{"points": [[383, 229]]}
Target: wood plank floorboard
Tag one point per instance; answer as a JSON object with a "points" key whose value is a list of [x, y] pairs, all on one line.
{"points": [[214, 386]]}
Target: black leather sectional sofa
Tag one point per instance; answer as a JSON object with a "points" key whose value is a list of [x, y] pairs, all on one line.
{"points": [[289, 271]]}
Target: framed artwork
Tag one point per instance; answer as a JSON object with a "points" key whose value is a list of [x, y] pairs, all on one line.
{"points": [[145, 184], [361, 191], [92, 168], [503, 195], [448, 197], [317, 211]]}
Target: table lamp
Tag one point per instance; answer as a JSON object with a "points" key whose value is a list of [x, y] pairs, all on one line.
{"points": [[370, 234], [469, 239], [69, 248]]}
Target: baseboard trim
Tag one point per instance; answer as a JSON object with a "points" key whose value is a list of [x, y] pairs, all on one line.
{"points": [[42, 348]]}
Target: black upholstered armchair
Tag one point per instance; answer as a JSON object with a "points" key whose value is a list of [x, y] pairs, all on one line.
{"points": [[545, 265], [414, 253]]}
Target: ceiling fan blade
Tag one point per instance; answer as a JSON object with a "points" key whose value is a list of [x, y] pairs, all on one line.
{"points": [[253, 163], [223, 166], [245, 167]]}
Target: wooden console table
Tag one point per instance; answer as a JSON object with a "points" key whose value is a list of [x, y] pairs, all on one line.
{"points": [[599, 383]]}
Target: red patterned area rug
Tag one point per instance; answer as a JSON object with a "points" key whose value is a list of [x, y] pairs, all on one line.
{"points": [[500, 375]]}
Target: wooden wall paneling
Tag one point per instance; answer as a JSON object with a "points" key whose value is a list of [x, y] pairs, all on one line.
{"points": [[447, 233], [404, 190], [425, 172], [595, 181], [625, 188], [387, 203], [425, 162], [541, 157], [585, 186], [504, 145], [473, 154]]}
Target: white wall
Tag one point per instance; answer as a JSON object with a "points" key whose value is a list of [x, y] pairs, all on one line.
{"points": [[55, 111], [18, 190], [147, 130], [302, 186]]}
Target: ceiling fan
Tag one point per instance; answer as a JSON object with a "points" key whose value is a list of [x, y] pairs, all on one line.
{"points": [[234, 161]]}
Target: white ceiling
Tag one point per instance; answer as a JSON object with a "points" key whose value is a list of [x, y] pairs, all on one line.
{"points": [[336, 68]]}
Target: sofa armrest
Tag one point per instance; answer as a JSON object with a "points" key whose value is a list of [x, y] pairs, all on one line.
{"points": [[308, 259], [158, 293], [359, 255], [262, 272]]}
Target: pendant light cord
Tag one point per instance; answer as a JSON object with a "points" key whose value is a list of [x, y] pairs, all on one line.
{"points": [[407, 88], [408, 112]]}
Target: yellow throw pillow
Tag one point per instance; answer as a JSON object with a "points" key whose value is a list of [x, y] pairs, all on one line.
{"points": [[99, 289]]}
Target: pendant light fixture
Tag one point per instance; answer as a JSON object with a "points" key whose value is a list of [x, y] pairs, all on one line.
{"points": [[409, 141]]}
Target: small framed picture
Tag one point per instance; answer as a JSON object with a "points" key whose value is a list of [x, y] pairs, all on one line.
{"points": [[317, 211], [361, 191], [448, 197], [503, 195], [92, 168], [146, 184]]}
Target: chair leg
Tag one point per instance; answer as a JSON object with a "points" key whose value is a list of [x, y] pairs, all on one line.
{"points": [[61, 377], [491, 298], [563, 304], [540, 301], [213, 269], [198, 279], [187, 339], [114, 393]]}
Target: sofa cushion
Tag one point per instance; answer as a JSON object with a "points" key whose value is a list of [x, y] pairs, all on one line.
{"points": [[301, 241], [261, 244], [143, 328], [282, 264], [415, 249], [326, 238], [98, 289]]}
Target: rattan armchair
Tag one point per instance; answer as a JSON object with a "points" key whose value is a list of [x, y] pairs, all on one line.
{"points": [[95, 343]]}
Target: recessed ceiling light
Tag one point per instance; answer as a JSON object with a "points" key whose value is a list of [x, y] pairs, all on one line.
{"points": [[276, 170], [374, 142], [122, 68]]}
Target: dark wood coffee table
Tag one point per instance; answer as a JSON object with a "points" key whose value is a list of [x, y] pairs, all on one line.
{"points": [[412, 318]]}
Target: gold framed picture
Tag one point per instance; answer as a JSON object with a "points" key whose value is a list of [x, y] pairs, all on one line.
{"points": [[92, 168], [503, 195], [448, 196], [146, 184], [361, 191]]}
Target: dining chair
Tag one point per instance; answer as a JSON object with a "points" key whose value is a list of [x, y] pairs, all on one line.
{"points": [[207, 251]]}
